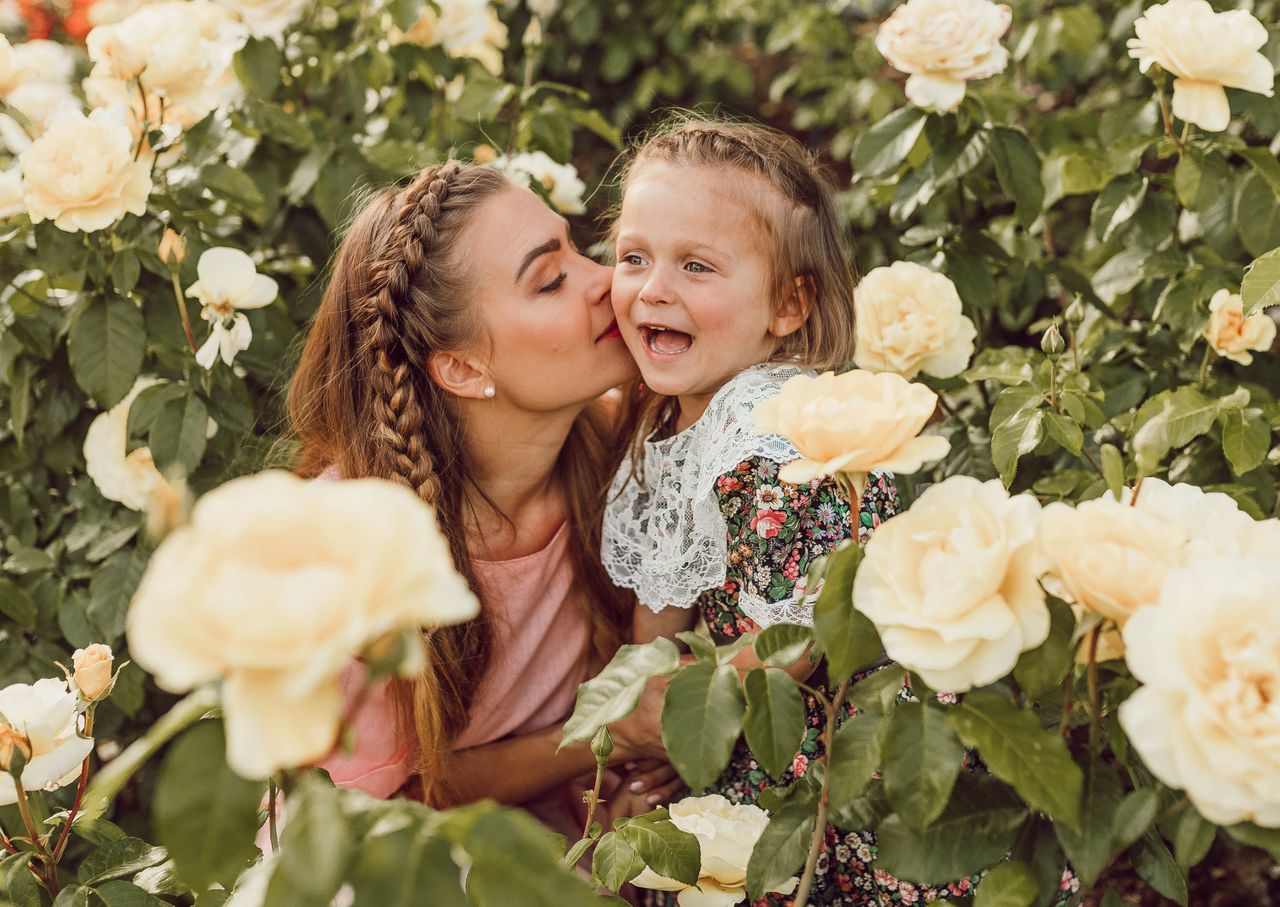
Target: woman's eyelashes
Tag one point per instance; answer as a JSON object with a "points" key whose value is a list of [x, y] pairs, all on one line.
{"points": [[553, 285]]}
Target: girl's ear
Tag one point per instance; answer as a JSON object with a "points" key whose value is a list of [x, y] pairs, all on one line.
{"points": [[796, 308], [457, 375]]}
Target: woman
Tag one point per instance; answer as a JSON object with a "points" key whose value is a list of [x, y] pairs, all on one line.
{"points": [[461, 350]]}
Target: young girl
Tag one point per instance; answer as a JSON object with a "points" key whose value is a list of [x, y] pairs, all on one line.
{"points": [[730, 278]]}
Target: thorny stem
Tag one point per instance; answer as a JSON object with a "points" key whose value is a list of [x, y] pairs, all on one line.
{"points": [[273, 799], [824, 800], [593, 800], [1095, 703], [30, 824], [1168, 120], [80, 788]]}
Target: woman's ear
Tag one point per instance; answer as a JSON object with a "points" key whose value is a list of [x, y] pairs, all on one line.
{"points": [[796, 308], [459, 376]]}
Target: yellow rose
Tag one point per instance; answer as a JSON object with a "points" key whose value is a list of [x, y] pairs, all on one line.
{"points": [[273, 587], [1109, 557], [852, 423], [268, 18], [1205, 719], [92, 670], [1231, 335], [952, 584], [464, 28], [10, 192], [909, 320], [943, 44], [8, 65], [130, 478], [727, 834], [81, 173], [1204, 50]]}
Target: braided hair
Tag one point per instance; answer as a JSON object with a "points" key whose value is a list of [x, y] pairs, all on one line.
{"points": [[362, 400]]}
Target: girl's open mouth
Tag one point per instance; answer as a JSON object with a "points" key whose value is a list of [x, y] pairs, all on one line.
{"points": [[665, 341]]}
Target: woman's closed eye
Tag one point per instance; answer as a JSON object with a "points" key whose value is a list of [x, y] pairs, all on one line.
{"points": [[553, 285]]}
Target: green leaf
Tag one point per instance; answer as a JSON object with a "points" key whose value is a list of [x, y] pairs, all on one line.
{"points": [[1261, 287], [885, 145], [1113, 469], [614, 862], [848, 638], [236, 187], [877, 693], [1246, 437], [1134, 815], [701, 721], [1017, 427], [118, 859], [1018, 169], [105, 347], [1257, 836], [315, 848], [1091, 848], [614, 692], [206, 815], [1019, 750], [920, 762], [1010, 884], [855, 755], [17, 603], [1041, 670], [951, 164], [396, 868], [701, 647], [1063, 429], [1116, 205], [125, 270], [775, 720], [1170, 420], [258, 65], [780, 853], [976, 829], [177, 437], [1257, 215], [515, 861], [1265, 163], [665, 849], [125, 894], [1192, 837], [782, 644], [1120, 274], [1152, 860]]}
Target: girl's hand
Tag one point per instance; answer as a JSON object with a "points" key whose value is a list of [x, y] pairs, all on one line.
{"points": [[639, 735], [651, 781]]}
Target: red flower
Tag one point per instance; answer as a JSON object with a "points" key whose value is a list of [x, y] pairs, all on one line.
{"points": [[799, 765], [767, 522]]}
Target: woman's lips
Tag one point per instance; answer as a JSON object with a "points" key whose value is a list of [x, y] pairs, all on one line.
{"points": [[611, 332]]}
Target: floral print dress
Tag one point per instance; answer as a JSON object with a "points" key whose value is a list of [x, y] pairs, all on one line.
{"points": [[775, 531]]}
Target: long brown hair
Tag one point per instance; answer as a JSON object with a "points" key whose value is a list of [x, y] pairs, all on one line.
{"points": [[362, 400], [800, 220]]}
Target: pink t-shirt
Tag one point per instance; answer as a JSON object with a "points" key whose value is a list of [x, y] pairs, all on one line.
{"points": [[539, 636]]}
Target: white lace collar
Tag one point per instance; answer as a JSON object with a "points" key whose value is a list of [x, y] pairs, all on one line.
{"points": [[664, 535]]}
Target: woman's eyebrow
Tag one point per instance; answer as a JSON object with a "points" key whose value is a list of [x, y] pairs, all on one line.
{"points": [[551, 245]]}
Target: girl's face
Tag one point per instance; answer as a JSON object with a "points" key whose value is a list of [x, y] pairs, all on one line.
{"points": [[692, 285], [551, 340]]}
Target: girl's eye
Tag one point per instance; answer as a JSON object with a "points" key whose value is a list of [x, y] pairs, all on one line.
{"points": [[633, 259], [697, 267], [554, 285]]}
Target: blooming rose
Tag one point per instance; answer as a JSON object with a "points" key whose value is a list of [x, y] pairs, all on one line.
{"points": [[952, 584], [81, 173], [41, 721], [228, 283], [1205, 719], [43, 61], [273, 587], [767, 523], [1232, 335], [851, 423], [464, 28], [128, 478], [726, 836], [943, 44], [10, 192], [564, 187], [92, 672], [8, 65], [909, 320], [268, 18], [1204, 50], [36, 83]]}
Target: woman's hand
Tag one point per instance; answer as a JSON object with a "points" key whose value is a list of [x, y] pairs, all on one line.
{"points": [[639, 735], [644, 785]]}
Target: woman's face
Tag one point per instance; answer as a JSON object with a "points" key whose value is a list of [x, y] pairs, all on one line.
{"points": [[550, 338]]}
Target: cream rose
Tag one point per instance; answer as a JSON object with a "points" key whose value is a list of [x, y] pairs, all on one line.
{"points": [[1231, 335], [44, 61], [1205, 719], [564, 187], [943, 44], [8, 65], [92, 671], [81, 173], [952, 584], [10, 192], [229, 284], [852, 423], [43, 720], [281, 583], [268, 18], [464, 28], [909, 320], [129, 478], [727, 834], [1204, 50]]}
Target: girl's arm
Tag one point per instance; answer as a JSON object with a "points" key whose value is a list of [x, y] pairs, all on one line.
{"points": [[647, 626]]}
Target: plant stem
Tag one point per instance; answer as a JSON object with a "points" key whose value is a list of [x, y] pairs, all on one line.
{"points": [[1084, 452], [1095, 702], [25, 810], [593, 800], [65, 834], [1137, 490], [273, 799], [182, 308], [1204, 366], [1168, 120], [1068, 688], [824, 799], [1053, 385]]}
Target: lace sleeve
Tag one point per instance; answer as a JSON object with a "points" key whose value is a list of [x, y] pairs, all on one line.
{"points": [[777, 530]]}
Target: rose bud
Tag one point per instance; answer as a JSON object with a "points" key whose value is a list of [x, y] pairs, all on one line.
{"points": [[93, 671]]}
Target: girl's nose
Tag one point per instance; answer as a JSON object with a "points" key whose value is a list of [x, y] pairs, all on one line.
{"points": [[655, 290]]}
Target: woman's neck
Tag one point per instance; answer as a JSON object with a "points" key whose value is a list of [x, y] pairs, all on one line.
{"points": [[518, 502]]}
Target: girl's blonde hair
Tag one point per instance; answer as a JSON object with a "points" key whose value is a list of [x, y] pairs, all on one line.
{"points": [[799, 219], [362, 400]]}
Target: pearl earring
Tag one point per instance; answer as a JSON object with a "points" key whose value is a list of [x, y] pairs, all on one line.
{"points": [[490, 391]]}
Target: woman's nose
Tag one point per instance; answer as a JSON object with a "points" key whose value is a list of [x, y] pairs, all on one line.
{"points": [[601, 281]]}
